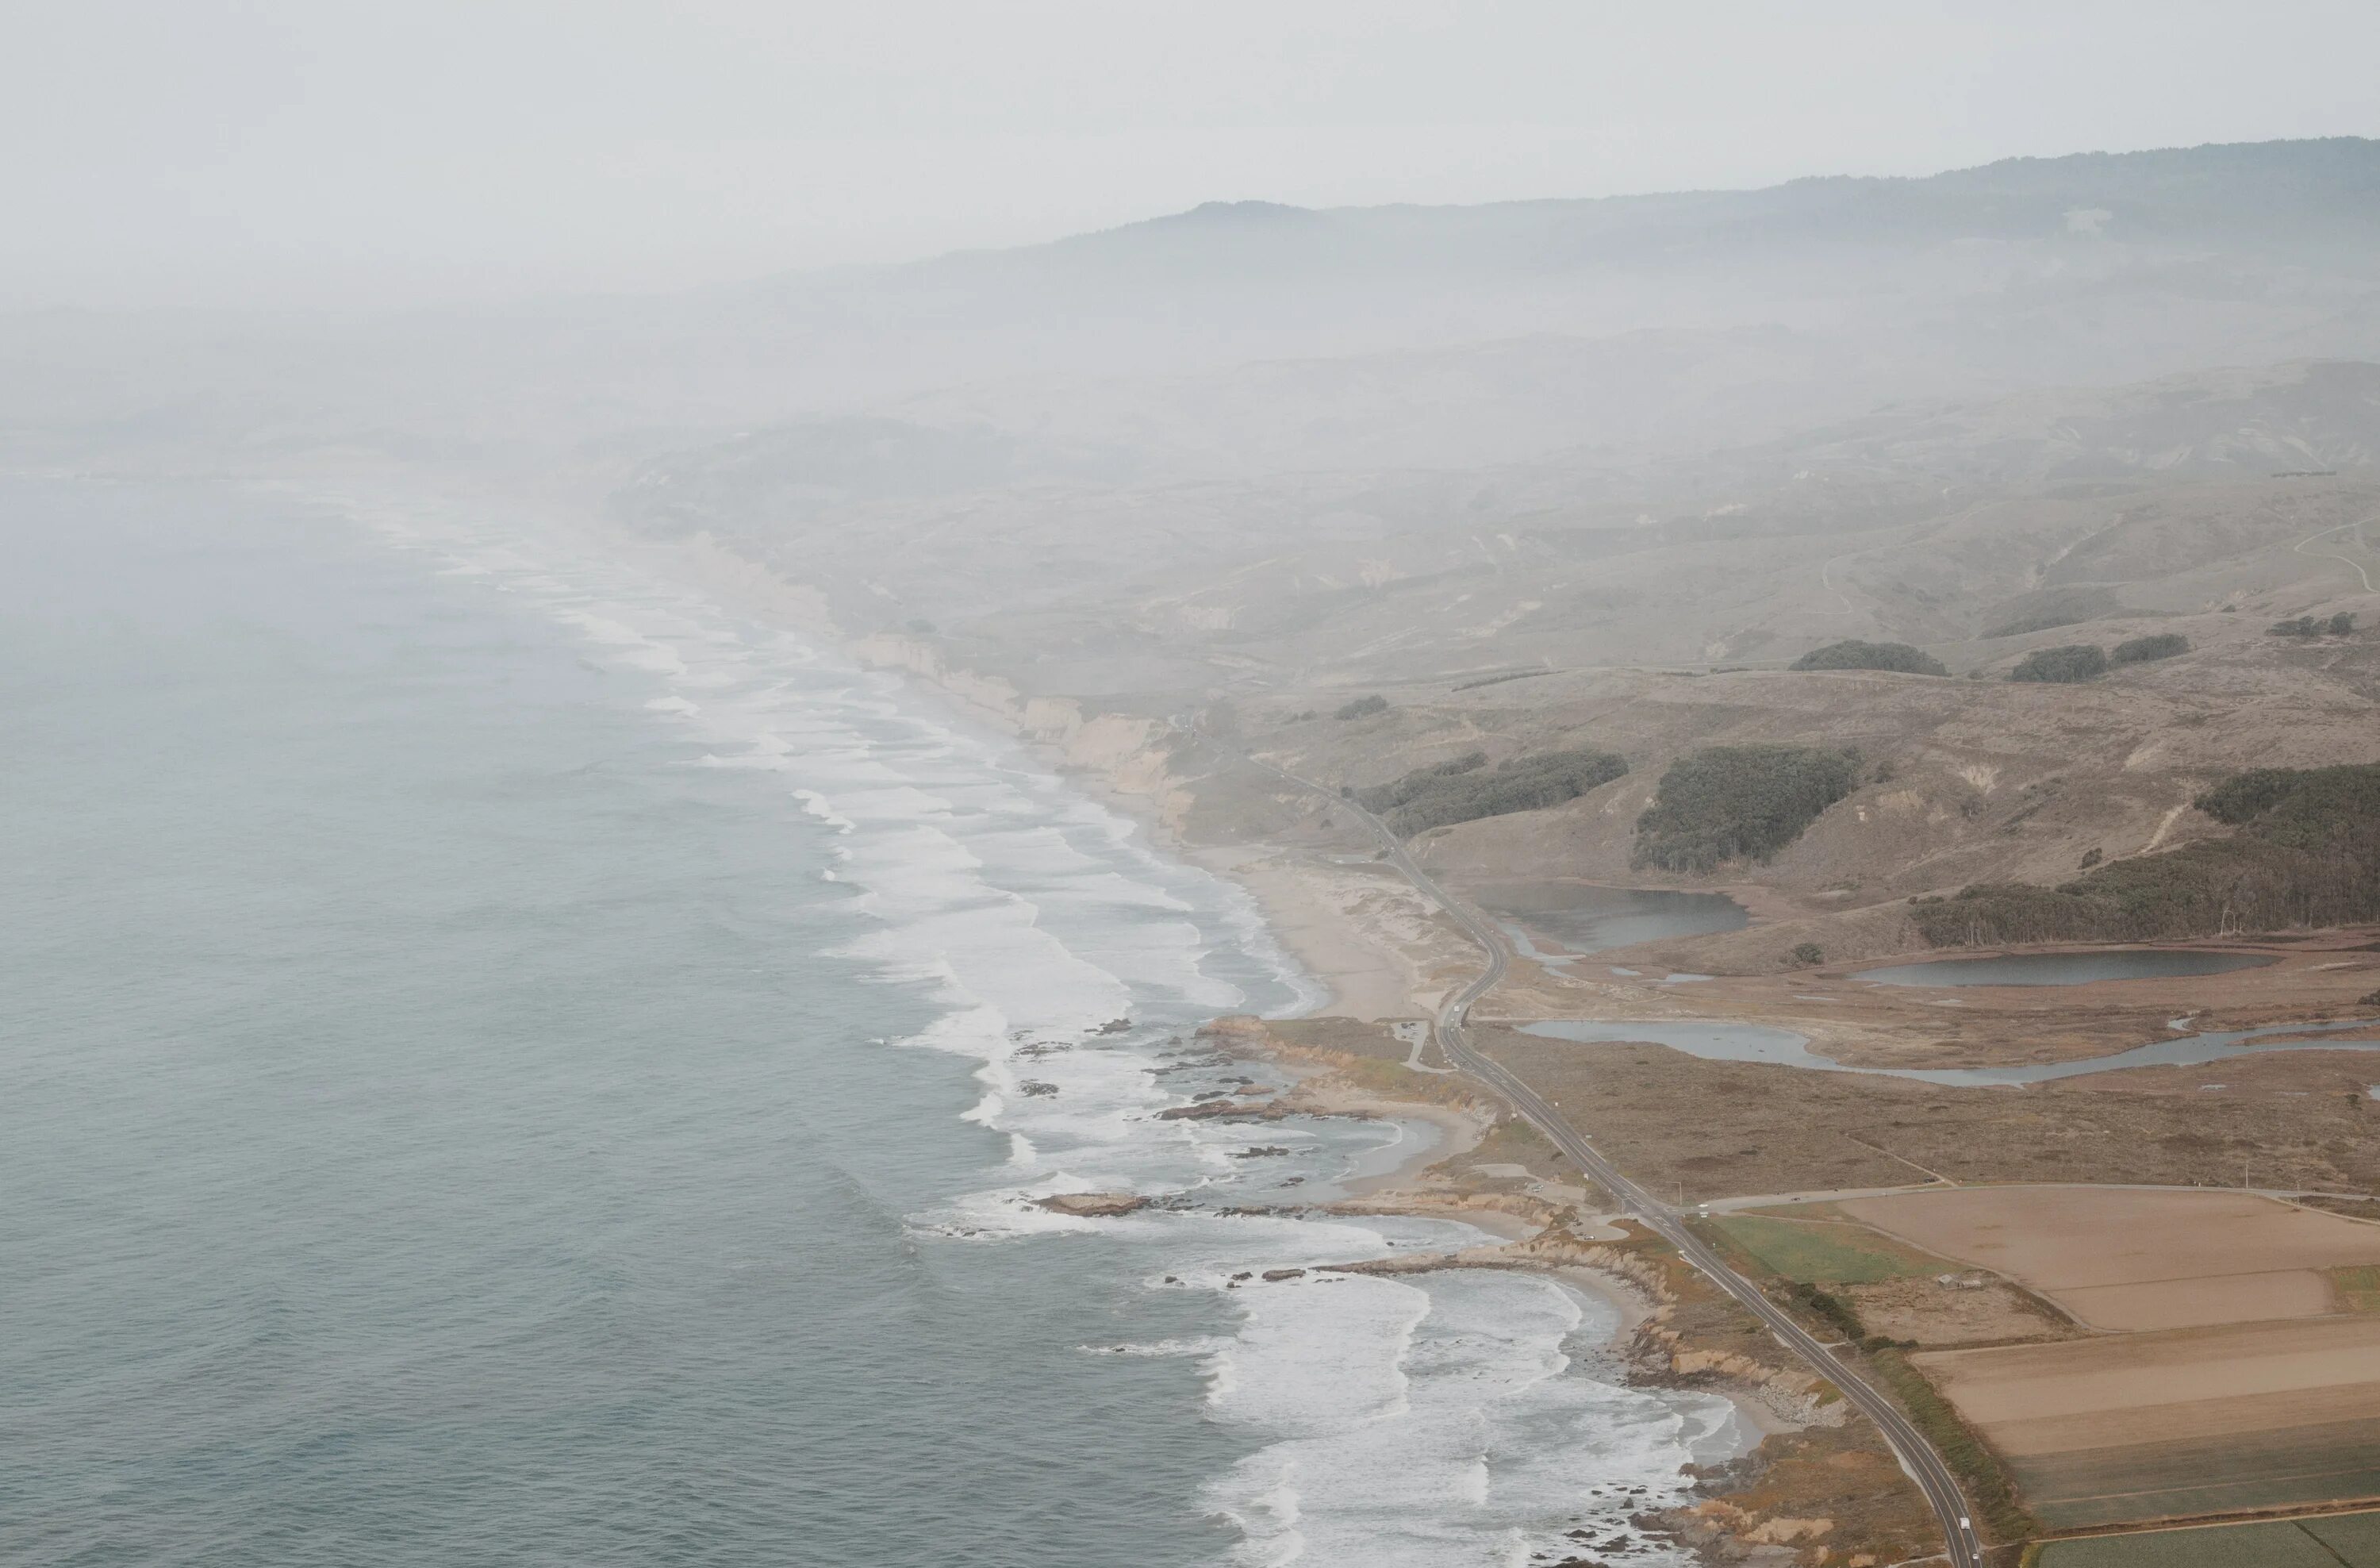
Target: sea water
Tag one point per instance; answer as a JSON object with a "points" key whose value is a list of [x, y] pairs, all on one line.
{"points": [[508, 1060], [1583, 917]]}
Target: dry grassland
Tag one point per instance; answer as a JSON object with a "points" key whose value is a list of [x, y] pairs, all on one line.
{"points": [[1697, 1129]]}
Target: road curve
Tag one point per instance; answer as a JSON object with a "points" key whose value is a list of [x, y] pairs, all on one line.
{"points": [[2351, 564], [1917, 1456]]}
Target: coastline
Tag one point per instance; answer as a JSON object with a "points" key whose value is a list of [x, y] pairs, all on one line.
{"points": [[1122, 763], [1118, 761], [1368, 982]]}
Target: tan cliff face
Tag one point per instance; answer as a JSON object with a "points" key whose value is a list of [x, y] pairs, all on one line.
{"points": [[1116, 747]]}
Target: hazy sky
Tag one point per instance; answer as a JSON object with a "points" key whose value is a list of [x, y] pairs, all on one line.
{"points": [[252, 150]]}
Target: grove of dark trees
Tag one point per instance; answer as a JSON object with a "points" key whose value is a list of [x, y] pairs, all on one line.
{"points": [[1853, 654], [1739, 803], [2064, 665], [2305, 851], [1466, 788]]}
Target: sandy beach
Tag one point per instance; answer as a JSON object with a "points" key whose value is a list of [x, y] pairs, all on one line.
{"points": [[1344, 925], [1455, 1132]]}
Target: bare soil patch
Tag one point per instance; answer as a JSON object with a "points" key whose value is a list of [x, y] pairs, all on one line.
{"points": [[1964, 1310], [2124, 1260]]}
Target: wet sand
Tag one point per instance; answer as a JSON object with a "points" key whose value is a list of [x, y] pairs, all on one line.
{"points": [[1369, 978]]}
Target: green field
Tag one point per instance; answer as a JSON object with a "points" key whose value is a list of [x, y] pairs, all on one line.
{"points": [[2350, 1539], [1827, 1252], [2196, 1478], [2358, 1286]]}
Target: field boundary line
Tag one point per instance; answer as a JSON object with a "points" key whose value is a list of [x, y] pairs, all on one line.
{"points": [[2360, 1504], [2328, 1549], [2354, 1508]]}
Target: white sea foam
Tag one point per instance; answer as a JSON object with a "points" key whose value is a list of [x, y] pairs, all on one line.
{"points": [[816, 805], [1491, 1446]]}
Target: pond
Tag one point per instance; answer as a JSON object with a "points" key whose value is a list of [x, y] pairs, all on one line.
{"points": [[1562, 920], [1760, 1042], [2067, 968]]}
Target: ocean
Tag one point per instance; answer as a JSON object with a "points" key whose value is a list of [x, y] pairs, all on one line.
{"points": [[510, 1060]]}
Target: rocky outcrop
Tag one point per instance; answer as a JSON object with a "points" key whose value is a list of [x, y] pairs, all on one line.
{"points": [[1092, 1204], [1723, 1532], [1662, 1355], [1659, 1352], [1224, 1110]]}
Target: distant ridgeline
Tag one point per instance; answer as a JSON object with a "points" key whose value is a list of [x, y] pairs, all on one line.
{"points": [[2306, 852], [1467, 789], [1853, 654], [1739, 803]]}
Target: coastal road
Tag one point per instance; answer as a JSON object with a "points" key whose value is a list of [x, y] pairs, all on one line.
{"points": [[1917, 1456]]}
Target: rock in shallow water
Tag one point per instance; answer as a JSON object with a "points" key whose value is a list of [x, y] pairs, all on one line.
{"points": [[1092, 1204]]}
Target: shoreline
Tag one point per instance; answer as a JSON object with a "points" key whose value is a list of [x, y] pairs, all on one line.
{"points": [[1367, 979], [1348, 927], [1365, 982]]}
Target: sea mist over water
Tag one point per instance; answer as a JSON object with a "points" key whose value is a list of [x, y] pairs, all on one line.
{"points": [[460, 1112]]}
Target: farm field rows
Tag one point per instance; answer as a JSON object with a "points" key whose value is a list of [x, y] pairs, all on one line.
{"points": [[2228, 1359], [2350, 1539], [2117, 1427]]}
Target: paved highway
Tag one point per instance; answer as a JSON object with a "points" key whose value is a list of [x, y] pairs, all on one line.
{"points": [[1917, 1456]]}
